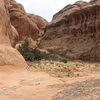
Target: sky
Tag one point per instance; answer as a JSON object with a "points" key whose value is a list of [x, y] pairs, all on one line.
{"points": [[45, 8]]}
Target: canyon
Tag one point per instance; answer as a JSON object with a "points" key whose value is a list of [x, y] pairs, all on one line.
{"points": [[74, 33]]}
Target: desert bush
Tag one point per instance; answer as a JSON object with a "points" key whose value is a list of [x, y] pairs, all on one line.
{"points": [[56, 57], [24, 47], [26, 51], [39, 54], [31, 54]]}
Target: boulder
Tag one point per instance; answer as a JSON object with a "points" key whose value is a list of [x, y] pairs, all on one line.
{"points": [[10, 56]]}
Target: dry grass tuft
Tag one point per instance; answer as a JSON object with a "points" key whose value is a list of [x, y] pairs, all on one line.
{"points": [[60, 69]]}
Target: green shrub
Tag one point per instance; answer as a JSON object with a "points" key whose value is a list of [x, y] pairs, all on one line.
{"points": [[39, 54], [29, 56], [64, 60], [34, 54], [56, 57], [53, 57], [26, 51], [24, 47]]}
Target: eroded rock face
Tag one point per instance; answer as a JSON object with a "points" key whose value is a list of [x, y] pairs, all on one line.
{"points": [[8, 55], [75, 32], [40, 22], [14, 36], [5, 27], [27, 25]]}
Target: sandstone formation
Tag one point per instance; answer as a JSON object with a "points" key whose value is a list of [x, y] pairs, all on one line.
{"points": [[75, 32], [8, 55], [27, 25], [14, 36]]}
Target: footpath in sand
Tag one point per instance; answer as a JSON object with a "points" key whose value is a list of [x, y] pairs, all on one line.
{"points": [[20, 84]]}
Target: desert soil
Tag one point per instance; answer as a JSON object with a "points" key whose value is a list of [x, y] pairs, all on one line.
{"points": [[20, 84]]}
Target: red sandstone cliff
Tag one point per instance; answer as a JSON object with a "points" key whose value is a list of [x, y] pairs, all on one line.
{"points": [[75, 32], [27, 25]]}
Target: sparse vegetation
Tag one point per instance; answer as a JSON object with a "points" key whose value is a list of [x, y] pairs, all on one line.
{"points": [[34, 54], [60, 69], [54, 68], [54, 64]]}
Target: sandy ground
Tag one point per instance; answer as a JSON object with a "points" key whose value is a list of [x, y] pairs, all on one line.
{"points": [[19, 84]]}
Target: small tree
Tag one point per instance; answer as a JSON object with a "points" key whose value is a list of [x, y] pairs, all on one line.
{"points": [[25, 50], [24, 47]]}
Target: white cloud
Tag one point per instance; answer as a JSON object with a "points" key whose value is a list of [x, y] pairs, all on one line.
{"points": [[45, 8]]}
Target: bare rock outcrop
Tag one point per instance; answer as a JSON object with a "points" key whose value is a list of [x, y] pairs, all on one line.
{"points": [[40, 22], [27, 25], [8, 55], [75, 32], [14, 36]]}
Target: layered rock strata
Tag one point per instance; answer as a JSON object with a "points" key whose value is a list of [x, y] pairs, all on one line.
{"points": [[75, 32]]}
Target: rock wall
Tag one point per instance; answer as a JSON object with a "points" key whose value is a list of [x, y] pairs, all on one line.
{"points": [[27, 25], [75, 32], [8, 55], [5, 27]]}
